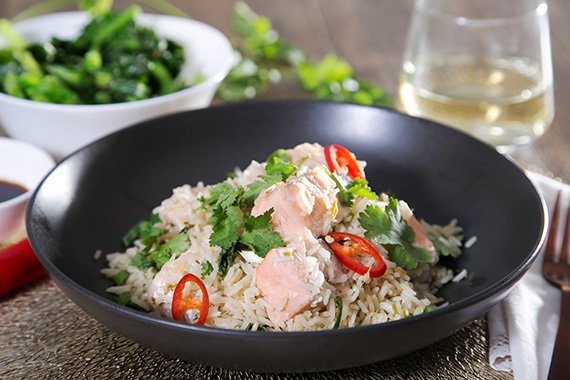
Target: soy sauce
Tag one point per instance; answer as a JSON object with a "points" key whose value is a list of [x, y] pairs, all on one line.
{"points": [[9, 190]]}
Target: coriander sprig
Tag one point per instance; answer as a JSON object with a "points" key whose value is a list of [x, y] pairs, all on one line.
{"points": [[387, 227], [263, 51], [234, 228]]}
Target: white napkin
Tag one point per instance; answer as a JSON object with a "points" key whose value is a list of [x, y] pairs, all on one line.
{"points": [[522, 328]]}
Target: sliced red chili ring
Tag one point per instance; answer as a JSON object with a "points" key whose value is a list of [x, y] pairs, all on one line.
{"points": [[347, 247], [342, 161], [181, 304]]}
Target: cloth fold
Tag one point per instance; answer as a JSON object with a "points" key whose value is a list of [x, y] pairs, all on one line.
{"points": [[522, 328]]}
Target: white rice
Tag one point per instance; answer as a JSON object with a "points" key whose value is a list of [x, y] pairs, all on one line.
{"points": [[460, 276], [98, 254], [236, 302], [472, 240]]}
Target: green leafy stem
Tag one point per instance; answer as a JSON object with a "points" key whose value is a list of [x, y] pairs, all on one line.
{"points": [[264, 57]]}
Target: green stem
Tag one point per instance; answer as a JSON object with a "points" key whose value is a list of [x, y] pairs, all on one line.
{"points": [[118, 23], [69, 76], [164, 7], [12, 87], [15, 40], [95, 7], [28, 62], [44, 7], [162, 76]]}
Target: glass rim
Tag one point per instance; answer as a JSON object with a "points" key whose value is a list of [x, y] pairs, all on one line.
{"points": [[541, 9]]}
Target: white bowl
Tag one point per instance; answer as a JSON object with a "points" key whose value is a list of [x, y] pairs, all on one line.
{"points": [[61, 129], [25, 165]]}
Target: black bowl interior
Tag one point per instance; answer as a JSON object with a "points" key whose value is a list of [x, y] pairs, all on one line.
{"points": [[92, 198]]}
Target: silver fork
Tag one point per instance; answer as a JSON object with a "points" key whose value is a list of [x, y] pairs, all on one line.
{"points": [[558, 273]]}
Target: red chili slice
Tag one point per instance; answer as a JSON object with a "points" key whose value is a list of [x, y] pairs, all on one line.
{"points": [[347, 246], [181, 304], [341, 160]]}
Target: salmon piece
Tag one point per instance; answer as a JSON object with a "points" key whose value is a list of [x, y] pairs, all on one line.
{"points": [[304, 207], [307, 154], [422, 240], [282, 278], [305, 201]]}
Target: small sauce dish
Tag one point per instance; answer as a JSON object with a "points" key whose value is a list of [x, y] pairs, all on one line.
{"points": [[22, 167]]}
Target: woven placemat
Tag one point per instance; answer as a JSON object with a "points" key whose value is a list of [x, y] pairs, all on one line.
{"points": [[43, 335]]}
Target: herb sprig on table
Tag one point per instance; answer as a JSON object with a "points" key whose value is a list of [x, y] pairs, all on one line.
{"points": [[264, 57]]}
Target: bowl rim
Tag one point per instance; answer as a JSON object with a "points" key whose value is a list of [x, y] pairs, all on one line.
{"points": [[504, 284], [38, 153], [208, 82]]}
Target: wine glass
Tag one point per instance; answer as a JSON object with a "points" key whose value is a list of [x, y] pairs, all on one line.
{"points": [[483, 67]]}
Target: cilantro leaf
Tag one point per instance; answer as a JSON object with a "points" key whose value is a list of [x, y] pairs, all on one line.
{"points": [[280, 163], [253, 190], [378, 225], [358, 187], [226, 219], [141, 260], [222, 195], [387, 227], [206, 268], [441, 248], [230, 208], [144, 230], [162, 253], [123, 298], [173, 247], [278, 168], [345, 197], [409, 259], [121, 277], [225, 261], [259, 235], [226, 225]]}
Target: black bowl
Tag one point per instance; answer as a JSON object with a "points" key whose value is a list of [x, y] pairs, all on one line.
{"points": [[93, 196]]}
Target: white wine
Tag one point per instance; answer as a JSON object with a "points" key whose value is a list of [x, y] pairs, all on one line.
{"points": [[503, 102]]}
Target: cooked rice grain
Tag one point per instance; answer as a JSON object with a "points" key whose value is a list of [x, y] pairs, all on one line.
{"points": [[236, 303]]}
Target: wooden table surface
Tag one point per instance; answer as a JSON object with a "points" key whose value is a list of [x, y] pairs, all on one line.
{"points": [[370, 34]]}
